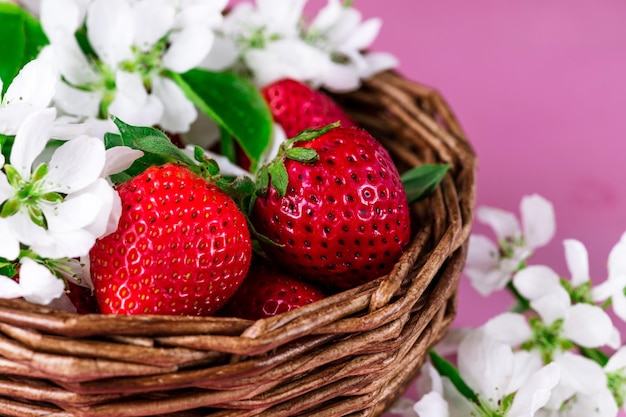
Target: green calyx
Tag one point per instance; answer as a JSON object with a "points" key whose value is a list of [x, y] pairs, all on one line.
{"points": [[546, 339], [275, 174], [29, 195], [158, 149], [616, 382]]}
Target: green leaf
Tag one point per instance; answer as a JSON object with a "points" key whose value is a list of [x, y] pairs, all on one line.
{"points": [[130, 133], [448, 370], [12, 42], [21, 39], [163, 147], [234, 104], [35, 38], [420, 181]]}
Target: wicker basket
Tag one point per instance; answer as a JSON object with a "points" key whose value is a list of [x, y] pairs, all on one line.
{"points": [[350, 354]]}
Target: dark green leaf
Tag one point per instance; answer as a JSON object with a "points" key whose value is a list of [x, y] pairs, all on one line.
{"points": [[35, 38], [12, 42], [164, 147], [112, 139], [448, 370], [302, 154], [120, 177], [234, 104], [8, 269], [420, 181], [21, 39], [130, 133], [279, 177]]}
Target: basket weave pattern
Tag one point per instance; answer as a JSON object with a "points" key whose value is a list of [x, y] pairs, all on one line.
{"points": [[350, 354]]}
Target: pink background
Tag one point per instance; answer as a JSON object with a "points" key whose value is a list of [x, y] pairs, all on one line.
{"points": [[540, 89]]}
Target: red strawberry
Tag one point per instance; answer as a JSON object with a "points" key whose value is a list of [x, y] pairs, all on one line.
{"points": [[82, 298], [182, 247], [268, 291], [342, 218], [296, 106]]}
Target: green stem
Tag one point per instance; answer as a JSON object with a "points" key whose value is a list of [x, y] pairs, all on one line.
{"points": [[522, 304], [595, 355]]}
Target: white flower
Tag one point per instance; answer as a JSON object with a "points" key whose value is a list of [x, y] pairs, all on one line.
{"points": [[550, 336], [36, 284], [271, 40], [53, 205], [135, 42], [493, 372], [338, 31], [613, 287], [31, 91], [490, 266]]}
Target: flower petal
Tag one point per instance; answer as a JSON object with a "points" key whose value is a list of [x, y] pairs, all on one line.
{"points": [[222, 55], [188, 48], [509, 328], [35, 83], [72, 62], [600, 404], [178, 111], [378, 62], [132, 103], [485, 364], [535, 281], [538, 220], [432, 405], [110, 30], [77, 102], [617, 362], [482, 253], [503, 223], [363, 36], [9, 288], [608, 288], [9, 244], [552, 306], [74, 213], [577, 261], [536, 392], [39, 284], [75, 164], [588, 325], [341, 77], [31, 139], [108, 208], [152, 20], [64, 15], [617, 258], [72, 244], [118, 159], [525, 364], [580, 374]]}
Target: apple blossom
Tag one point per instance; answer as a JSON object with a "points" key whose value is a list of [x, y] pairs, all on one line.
{"points": [[490, 265]]}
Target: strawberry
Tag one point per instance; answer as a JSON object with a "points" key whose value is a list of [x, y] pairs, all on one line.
{"points": [[296, 107], [334, 206], [268, 291], [82, 298], [182, 246]]}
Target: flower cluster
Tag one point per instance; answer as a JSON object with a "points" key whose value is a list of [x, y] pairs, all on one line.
{"points": [[55, 198], [136, 47], [556, 353]]}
